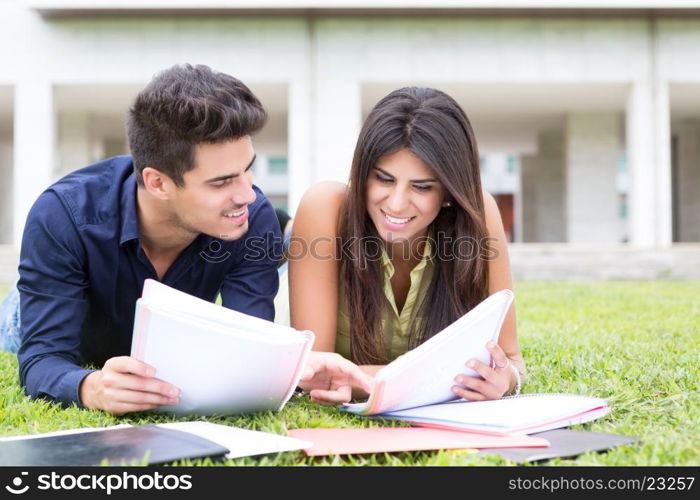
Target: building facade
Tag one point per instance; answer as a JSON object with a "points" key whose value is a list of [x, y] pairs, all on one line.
{"points": [[587, 114]]}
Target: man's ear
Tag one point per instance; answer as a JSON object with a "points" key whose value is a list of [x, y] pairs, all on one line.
{"points": [[157, 183]]}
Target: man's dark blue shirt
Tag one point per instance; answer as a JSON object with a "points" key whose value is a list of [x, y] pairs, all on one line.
{"points": [[82, 268]]}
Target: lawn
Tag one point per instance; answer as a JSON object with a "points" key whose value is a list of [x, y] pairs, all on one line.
{"points": [[635, 343]]}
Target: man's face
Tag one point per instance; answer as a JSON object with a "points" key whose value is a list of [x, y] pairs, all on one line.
{"points": [[217, 192]]}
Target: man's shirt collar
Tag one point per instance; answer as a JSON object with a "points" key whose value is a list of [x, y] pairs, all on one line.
{"points": [[130, 220]]}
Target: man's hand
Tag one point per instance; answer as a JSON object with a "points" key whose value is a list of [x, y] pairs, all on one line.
{"points": [[125, 385], [331, 378]]}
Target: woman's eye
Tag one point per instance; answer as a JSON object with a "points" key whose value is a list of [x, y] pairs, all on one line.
{"points": [[423, 187], [383, 179]]}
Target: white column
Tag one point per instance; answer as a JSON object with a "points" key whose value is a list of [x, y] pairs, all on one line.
{"points": [[552, 188], [299, 137], [6, 186], [662, 136], [73, 142], [593, 147], [688, 181], [529, 172], [34, 147], [649, 158], [519, 225], [336, 127], [640, 160], [544, 191]]}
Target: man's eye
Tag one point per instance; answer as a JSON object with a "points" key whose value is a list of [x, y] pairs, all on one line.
{"points": [[221, 184]]}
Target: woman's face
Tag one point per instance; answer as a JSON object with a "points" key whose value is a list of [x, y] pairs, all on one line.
{"points": [[403, 197]]}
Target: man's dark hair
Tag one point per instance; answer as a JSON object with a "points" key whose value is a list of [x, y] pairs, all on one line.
{"points": [[184, 106]]}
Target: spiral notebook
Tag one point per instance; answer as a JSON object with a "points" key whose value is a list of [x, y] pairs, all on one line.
{"points": [[524, 414], [425, 375]]}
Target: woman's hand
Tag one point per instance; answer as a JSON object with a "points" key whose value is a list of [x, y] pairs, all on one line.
{"points": [[496, 382], [331, 378]]}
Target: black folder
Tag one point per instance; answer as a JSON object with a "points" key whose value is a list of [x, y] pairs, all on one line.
{"points": [[562, 443], [145, 444]]}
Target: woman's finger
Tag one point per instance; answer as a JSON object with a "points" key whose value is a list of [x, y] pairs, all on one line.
{"points": [[499, 358], [484, 370], [341, 395], [473, 383], [467, 394]]}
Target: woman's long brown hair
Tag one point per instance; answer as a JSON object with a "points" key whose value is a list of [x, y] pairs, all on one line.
{"points": [[434, 127]]}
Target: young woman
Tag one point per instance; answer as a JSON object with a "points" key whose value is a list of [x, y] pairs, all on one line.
{"points": [[410, 245]]}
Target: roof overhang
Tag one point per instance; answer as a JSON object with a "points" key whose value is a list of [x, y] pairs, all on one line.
{"points": [[364, 7]]}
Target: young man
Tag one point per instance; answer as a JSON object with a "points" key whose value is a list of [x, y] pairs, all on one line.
{"points": [[181, 210]]}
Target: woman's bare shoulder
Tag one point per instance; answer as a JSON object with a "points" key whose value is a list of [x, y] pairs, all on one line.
{"points": [[320, 207], [491, 213], [489, 201], [324, 194]]}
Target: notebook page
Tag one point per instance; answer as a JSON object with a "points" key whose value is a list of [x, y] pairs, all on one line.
{"points": [[510, 412], [426, 374], [287, 336], [218, 372], [168, 298], [240, 442], [465, 323], [579, 418]]}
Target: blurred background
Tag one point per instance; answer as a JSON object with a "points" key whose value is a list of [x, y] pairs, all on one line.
{"points": [[587, 113]]}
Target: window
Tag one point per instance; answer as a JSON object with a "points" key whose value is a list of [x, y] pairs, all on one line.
{"points": [[277, 165]]}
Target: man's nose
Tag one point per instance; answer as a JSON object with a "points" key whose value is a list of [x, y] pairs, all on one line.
{"points": [[245, 194]]}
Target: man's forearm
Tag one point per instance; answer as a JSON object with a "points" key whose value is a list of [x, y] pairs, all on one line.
{"points": [[52, 377]]}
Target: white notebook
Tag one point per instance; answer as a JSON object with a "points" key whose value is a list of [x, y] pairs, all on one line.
{"points": [[240, 442], [425, 375], [223, 361], [522, 414]]}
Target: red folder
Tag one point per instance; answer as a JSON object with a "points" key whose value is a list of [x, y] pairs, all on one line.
{"points": [[393, 439]]}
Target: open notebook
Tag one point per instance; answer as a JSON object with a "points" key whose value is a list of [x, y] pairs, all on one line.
{"points": [[523, 414], [223, 361], [425, 375]]}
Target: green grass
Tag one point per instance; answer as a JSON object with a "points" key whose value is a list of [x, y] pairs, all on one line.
{"points": [[635, 343]]}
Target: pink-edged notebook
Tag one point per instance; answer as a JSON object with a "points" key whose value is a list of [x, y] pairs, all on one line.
{"points": [[394, 439], [523, 414], [425, 375]]}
